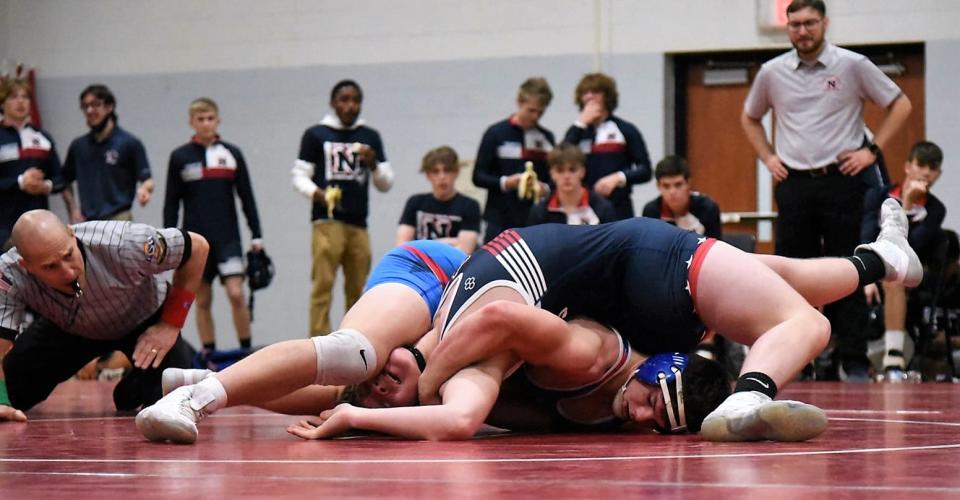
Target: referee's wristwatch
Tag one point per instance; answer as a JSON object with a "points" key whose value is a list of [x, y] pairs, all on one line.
{"points": [[873, 148]]}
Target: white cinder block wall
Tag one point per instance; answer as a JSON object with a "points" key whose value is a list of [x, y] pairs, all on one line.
{"points": [[434, 72]]}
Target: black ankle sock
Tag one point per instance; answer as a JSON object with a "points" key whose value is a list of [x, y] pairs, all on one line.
{"points": [[869, 266], [212, 346], [756, 381], [245, 343]]}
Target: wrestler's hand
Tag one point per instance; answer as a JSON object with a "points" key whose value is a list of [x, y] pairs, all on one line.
{"points": [[872, 293], [154, 344], [329, 424], [11, 414]]}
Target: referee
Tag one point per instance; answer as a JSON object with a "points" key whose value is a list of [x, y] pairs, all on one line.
{"points": [[94, 288]]}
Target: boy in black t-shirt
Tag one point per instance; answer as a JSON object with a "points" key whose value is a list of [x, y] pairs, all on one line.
{"points": [[442, 214]]}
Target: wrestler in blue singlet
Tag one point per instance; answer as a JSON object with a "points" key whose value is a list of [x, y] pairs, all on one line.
{"points": [[423, 265], [631, 275]]}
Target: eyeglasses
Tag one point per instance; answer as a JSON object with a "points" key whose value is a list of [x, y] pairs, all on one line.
{"points": [[809, 24], [91, 104]]}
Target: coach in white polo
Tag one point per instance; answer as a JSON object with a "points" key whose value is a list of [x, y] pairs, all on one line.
{"points": [[817, 91], [94, 288]]}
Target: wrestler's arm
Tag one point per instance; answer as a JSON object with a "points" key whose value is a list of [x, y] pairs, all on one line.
{"points": [[467, 400], [536, 336]]}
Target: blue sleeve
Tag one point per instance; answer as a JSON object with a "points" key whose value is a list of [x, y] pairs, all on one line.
{"points": [[485, 172]]}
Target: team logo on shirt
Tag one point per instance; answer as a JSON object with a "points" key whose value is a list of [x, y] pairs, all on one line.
{"points": [[155, 249], [342, 163], [832, 84], [112, 156], [435, 226]]}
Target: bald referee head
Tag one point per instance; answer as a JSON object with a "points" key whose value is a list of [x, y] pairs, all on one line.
{"points": [[48, 250]]}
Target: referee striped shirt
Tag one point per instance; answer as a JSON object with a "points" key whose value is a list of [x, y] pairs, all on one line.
{"points": [[123, 262]]}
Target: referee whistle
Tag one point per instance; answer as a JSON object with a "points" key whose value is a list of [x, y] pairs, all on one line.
{"points": [[77, 291]]}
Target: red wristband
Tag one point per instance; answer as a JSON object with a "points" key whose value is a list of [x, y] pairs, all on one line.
{"points": [[177, 305]]}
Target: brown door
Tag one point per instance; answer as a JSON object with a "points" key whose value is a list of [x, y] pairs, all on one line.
{"points": [[708, 129]]}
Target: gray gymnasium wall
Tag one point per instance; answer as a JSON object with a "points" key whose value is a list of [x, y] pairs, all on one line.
{"points": [[415, 106]]}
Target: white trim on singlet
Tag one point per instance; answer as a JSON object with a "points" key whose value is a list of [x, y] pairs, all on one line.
{"points": [[476, 296], [518, 260]]}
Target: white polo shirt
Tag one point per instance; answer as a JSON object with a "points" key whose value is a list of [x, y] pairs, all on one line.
{"points": [[819, 107]]}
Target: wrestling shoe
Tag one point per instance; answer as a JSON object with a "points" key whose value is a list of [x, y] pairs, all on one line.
{"points": [[753, 416], [899, 260], [173, 418], [177, 377]]}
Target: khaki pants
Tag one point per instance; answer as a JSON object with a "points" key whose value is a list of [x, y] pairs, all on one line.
{"points": [[336, 244]]}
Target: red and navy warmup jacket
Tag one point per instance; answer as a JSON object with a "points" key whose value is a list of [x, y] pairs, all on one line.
{"points": [[20, 150], [205, 179], [331, 151], [504, 150], [613, 146]]}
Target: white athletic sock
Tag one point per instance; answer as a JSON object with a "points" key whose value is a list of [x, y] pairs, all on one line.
{"points": [[894, 339], [208, 395]]}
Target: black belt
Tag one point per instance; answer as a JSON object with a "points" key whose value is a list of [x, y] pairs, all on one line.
{"points": [[831, 169]]}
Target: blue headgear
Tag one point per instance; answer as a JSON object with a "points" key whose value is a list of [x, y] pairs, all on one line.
{"points": [[662, 369]]}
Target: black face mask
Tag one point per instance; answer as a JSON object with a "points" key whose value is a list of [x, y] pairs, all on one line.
{"points": [[96, 129]]}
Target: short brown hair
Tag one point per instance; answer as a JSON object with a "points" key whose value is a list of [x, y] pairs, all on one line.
{"points": [[598, 82], [565, 154], [444, 155], [538, 87], [7, 86], [202, 105], [816, 5]]}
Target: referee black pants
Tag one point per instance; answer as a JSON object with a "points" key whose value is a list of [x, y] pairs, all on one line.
{"points": [[821, 216], [44, 356]]}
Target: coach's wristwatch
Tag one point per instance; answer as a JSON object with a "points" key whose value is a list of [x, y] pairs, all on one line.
{"points": [[873, 148]]}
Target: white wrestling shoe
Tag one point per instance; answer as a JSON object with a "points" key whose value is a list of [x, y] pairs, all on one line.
{"points": [[900, 261], [177, 377], [753, 416], [173, 418]]}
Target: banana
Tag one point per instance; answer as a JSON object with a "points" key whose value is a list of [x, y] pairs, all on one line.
{"points": [[331, 196], [529, 187]]}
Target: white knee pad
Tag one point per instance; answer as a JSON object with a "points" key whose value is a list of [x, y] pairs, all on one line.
{"points": [[344, 357]]}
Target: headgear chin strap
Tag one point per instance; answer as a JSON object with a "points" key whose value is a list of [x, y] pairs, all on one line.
{"points": [[417, 356], [661, 369]]}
